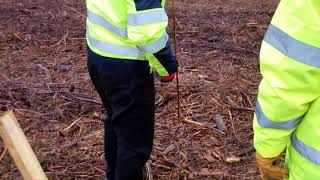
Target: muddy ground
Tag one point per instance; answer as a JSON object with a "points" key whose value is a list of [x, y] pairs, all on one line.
{"points": [[43, 76]]}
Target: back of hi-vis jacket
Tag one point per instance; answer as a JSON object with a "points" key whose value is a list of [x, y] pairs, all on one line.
{"points": [[130, 30]]}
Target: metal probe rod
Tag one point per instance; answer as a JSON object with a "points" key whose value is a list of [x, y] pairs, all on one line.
{"points": [[175, 54]]}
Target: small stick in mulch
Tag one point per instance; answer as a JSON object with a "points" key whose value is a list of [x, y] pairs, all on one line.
{"points": [[3, 153], [77, 142], [243, 108], [194, 123], [148, 171], [67, 129], [232, 125], [74, 10], [204, 125], [205, 172]]}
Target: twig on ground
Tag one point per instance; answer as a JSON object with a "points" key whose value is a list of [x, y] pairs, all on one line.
{"points": [[3, 153]]}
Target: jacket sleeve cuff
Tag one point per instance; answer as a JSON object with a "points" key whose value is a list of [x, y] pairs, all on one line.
{"points": [[166, 58]]}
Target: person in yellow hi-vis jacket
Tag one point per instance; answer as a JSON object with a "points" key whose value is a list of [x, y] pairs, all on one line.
{"points": [[288, 105], [127, 41]]}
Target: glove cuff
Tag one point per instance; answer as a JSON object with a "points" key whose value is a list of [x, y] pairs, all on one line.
{"points": [[169, 78]]}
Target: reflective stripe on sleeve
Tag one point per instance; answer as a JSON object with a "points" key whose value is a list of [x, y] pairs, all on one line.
{"points": [[155, 46], [305, 150], [149, 17], [265, 122], [300, 51]]}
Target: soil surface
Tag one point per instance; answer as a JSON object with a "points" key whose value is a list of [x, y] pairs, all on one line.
{"points": [[43, 77]]}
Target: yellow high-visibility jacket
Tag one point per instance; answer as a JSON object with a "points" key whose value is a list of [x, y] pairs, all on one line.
{"points": [[132, 30], [288, 104]]}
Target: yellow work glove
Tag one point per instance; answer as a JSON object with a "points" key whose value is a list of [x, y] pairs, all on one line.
{"points": [[270, 168]]}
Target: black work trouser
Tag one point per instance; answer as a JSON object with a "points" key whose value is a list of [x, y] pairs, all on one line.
{"points": [[129, 128]]}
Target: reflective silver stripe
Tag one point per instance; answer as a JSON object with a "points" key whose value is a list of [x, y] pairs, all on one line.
{"points": [[300, 51], [148, 17], [96, 19], [265, 122], [156, 46], [305, 150], [114, 48]]}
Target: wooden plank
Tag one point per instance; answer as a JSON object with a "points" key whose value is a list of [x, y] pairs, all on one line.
{"points": [[19, 148]]}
